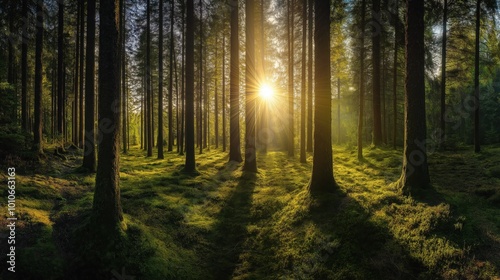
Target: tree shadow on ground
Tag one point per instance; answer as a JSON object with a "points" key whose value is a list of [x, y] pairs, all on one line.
{"points": [[230, 229]]}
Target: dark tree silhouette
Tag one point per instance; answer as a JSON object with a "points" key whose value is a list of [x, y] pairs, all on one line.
{"points": [[234, 87], [107, 211], [376, 34], [361, 80], [24, 68], [303, 87], [171, 81], [322, 179], [443, 74], [37, 139], [310, 78], [89, 147], [160, 83], [190, 165], [60, 68], [415, 172], [250, 89]]}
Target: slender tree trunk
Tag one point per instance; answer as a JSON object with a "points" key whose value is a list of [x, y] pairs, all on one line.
{"points": [[322, 179], [395, 80], [264, 109], [206, 115], [200, 97], [291, 24], [190, 165], [216, 110], [338, 110], [183, 84], [361, 81], [303, 86], [224, 103], [443, 74], [76, 78], [477, 139], [89, 159], [310, 79], [234, 87], [149, 94], [24, 68], [376, 34], [107, 211], [37, 143], [160, 85], [250, 88], [81, 75], [415, 173], [171, 81], [123, 79]]}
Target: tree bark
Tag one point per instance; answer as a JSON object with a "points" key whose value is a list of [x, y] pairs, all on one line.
{"points": [[361, 81], [37, 139], [310, 79], [149, 94], [395, 79], [224, 103], [89, 159], [303, 87], [190, 165], [376, 34], [477, 139], [290, 29], [107, 211], [415, 173], [160, 85], [443, 75], [24, 68], [234, 114], [250, 88], [81, 132], [322, 179], [171, 81]]}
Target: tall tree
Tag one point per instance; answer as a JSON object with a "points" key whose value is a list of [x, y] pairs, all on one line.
{"points": [[322, 179], [190, 165], [171, 81], [361, 80], [250, 88], [310, 78], [216, 86], [234, 87], [24, 68], [37, 139], [89, 147], [290, 29], [81, 132], [76, 77], [183, 83], [415, 173], [149, 94], [395, 78], [160, 84], [124, 91], [224, 124], [303, 87], [200, 96], [477, 139], [60, 67], [376, 34], [443, 74], [107, 211]]}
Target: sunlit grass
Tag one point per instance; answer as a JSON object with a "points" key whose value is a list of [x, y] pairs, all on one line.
{"points": [[225, 223]]}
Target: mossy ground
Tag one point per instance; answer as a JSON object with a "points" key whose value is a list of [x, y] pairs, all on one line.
{"points": [[226, 224]]}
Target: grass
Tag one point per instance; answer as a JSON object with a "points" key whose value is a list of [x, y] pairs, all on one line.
{"points": [[226, 224]]}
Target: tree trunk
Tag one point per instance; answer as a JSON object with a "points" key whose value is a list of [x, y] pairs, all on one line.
{"points": [[183, 84], [24, 68], [80, 71], [107, 211], [234, 88], [376, 34], [443, 75], [76, 78], [37, 139], [160, 84], [123, 79], [415, 173], [216, 109], [171, 81], [149, 94], [361, 81], [291, 24], [395, 80], [322, 179], [310, 79], [303, 87], [477, 139], [224, 105], [89, 159], [200, 96], [190, 165], [250, 88]]}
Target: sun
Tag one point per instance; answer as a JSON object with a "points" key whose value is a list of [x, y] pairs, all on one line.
{"points": [[266, 92]]}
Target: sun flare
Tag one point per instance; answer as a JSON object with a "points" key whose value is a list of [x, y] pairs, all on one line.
{"points": [[266, 92]]}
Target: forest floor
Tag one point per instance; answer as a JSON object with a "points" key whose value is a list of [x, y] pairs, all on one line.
{"points": [[225, 224]]}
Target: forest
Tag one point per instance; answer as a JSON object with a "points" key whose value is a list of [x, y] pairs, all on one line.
{"points": [[250, 139]]}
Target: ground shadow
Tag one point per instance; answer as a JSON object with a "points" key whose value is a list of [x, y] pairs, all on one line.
{"points": [[230, 228]]}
